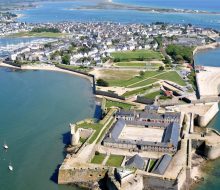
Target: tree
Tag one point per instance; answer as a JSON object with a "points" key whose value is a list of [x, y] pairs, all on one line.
{"points": [[66, 59], [117, 59], [141, 73], [167, 60], [102, 82], [161, 68]]}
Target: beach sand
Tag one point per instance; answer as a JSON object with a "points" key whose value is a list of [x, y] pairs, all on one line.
{"points": [[45, 67]]}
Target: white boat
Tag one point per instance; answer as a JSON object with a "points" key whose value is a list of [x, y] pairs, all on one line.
{"points": [[10, 167], [5, 146]]}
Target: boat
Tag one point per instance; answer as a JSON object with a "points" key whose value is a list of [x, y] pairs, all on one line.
{"points": [[10, 167], [5, 146]]}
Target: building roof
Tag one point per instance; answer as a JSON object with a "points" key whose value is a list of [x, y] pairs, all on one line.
{"points": [[150, 113], [162, 164], [125, 113], [117, 129], [172, 134], [136, 162]]}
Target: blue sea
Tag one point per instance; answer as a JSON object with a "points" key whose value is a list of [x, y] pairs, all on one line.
{"points": [[60, 11], [204, 5], [35, 112]]}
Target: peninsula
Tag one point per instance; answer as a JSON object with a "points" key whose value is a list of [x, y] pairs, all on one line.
{"points": [[152, 131]]}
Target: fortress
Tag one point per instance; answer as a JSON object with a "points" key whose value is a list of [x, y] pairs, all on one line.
{"points": [[140, 149], [145, 130]]}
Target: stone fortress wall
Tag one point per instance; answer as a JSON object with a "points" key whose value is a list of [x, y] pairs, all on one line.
{"points": [[203, 120]]}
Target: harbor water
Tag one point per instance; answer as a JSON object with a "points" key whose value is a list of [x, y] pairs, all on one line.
{"points": [[36, 108]]}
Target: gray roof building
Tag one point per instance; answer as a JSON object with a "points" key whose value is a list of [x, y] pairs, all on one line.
{"points": [[136, 162], [117, 129], [172, 134], [162, 164]]}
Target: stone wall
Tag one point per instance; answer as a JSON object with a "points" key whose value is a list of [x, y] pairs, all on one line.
{"points": [[203, 120], [212, 151], [81, 174], [159, 183]]}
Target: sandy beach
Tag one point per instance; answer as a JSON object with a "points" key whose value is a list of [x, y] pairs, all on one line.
{"points": [[208, 81], [44, 67]]}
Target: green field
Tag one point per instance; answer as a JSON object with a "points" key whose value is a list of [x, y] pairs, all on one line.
{"points": [[139, 91], [73, 68], [104, 131], [152, 164], [95, 126], [132, 81], [36, 34], [115, 160], [153, 95], [110, 103], [170, 76], [98, 159], [138, 64], [137, 55]]}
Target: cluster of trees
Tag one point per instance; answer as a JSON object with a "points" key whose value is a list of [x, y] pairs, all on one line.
{"points": [[102, 82], [83, 49], [180, 53], [117, 59], [43, 29], [167, 60], [66, 59]]}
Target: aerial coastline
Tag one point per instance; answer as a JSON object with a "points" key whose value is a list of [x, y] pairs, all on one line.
{"points": [[118, 6], [156, 103]]}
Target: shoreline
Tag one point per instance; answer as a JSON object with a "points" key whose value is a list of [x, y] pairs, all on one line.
{"points": [[109, 4], [206, 47], [44, 68]]}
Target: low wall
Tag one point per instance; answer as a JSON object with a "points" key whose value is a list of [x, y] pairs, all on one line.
{"points": [[159, 183], [144, 100], [109, 94]]}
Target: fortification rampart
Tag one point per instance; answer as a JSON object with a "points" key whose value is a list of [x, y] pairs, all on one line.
{"points": [[81, 174], [212, 151], [203, 120], [159, 183]]}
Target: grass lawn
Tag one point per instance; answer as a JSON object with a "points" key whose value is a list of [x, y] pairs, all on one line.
{"points": [[140, 90], [72, 67], [131, 64], [136, 55], [104, 131], [156, 75], [110, 103], [144, 83], [139, 64], [98, 159], [129, 81], [131, 78], [172, 76], [95, 126], [36, 34], [152, 164], [115, 75], [152, 95], [115, 160]]}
